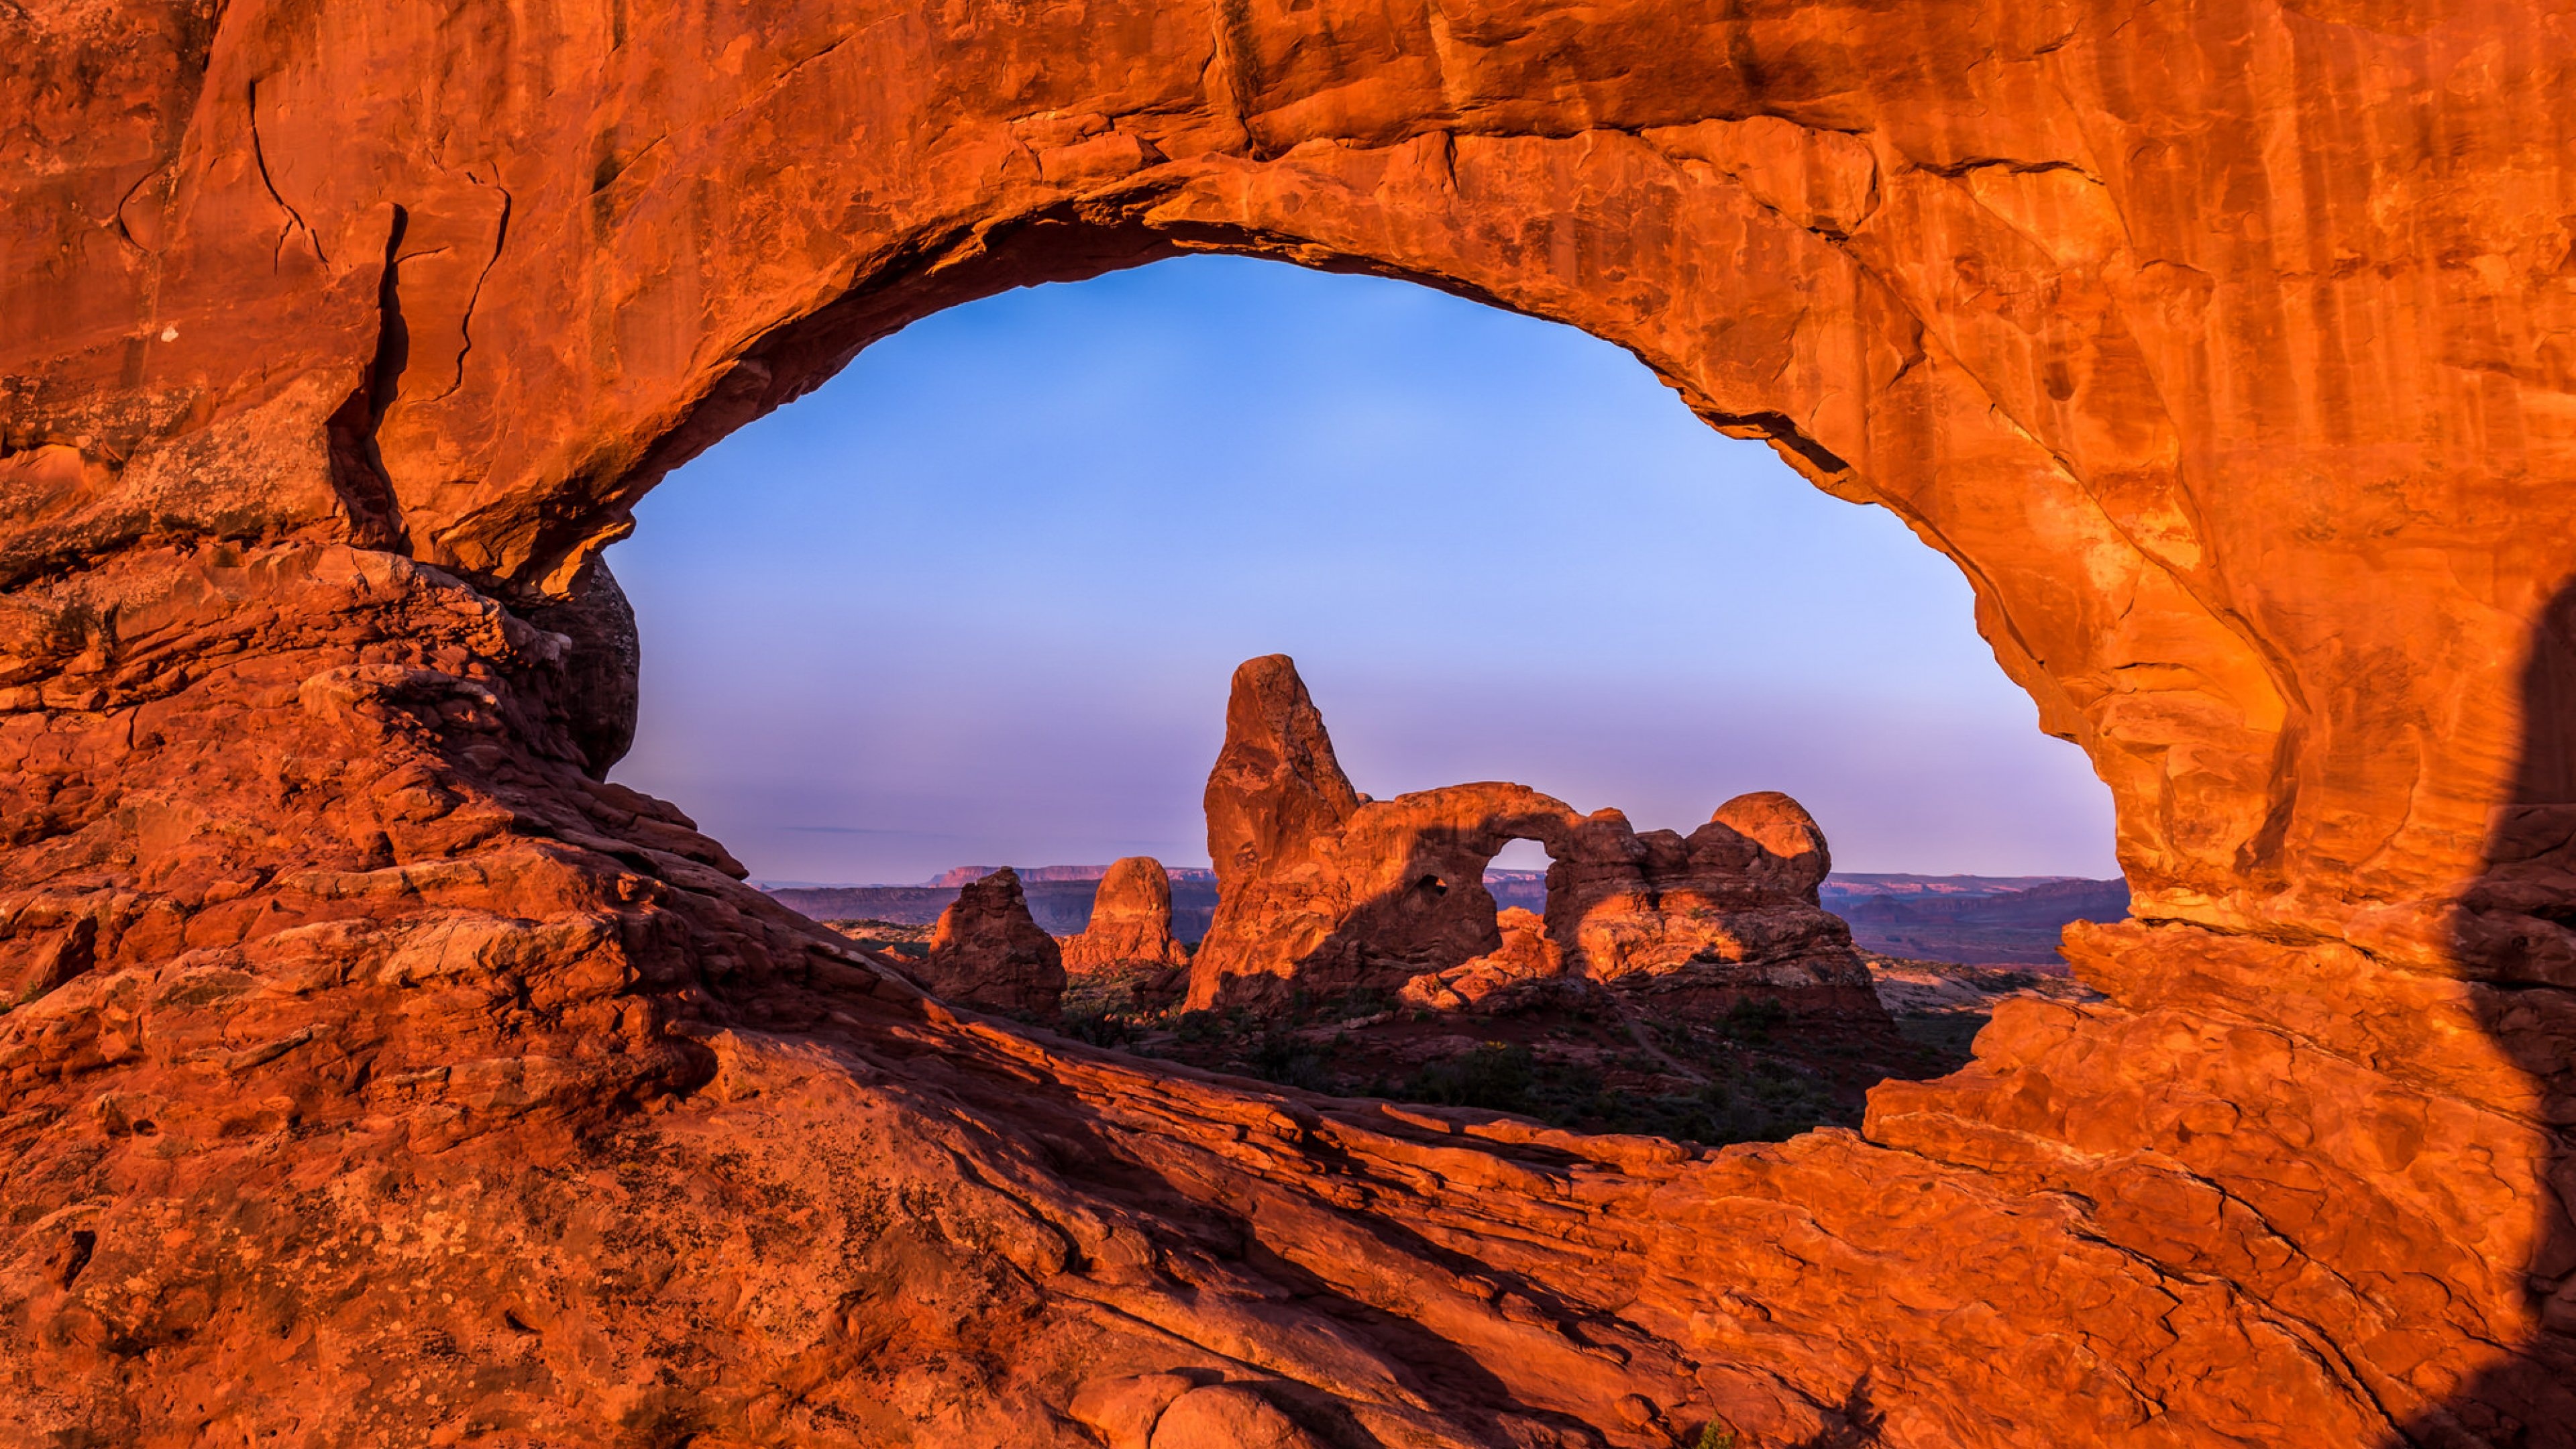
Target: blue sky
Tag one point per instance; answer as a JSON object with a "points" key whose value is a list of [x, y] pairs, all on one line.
{"points": [[977, 599]]}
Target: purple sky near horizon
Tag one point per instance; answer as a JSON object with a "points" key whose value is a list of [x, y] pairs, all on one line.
{"points": [[976, 600]]}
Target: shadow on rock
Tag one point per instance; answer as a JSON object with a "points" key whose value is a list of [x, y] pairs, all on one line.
{"points": [[2511, 931]]}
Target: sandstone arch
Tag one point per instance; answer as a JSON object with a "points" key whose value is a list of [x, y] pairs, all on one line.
{"points": [[2221, 343], [1323, 891]]}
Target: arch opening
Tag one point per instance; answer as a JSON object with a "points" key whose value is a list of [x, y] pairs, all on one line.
{"points": [[1106, 524]]}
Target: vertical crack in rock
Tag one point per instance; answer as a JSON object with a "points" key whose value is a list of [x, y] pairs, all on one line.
{"points": [[358, 473], [84, 1244], [294, 219], [465, 320]]}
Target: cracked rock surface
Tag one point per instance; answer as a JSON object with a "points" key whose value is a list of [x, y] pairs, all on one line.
{"points": [[375, 1074]]}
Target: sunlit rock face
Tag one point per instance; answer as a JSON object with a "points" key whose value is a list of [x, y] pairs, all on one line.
{"points": [[1326, 892], [1323, 891], [1131, 921], [1728, 912], [376, 1074], [1526, 972]]}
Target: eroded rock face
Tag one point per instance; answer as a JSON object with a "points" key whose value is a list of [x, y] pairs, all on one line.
{"points": [[1525, 971], [1324, 891], [1396, 891], [1727, 912], [1225, 1416], [1327, 892], [988, 952], [2220, 343], [1131, 921], [602, 655], [1276, 784]]}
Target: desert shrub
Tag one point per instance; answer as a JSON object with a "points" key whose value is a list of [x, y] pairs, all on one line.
{"points": [[1282, 1058], [1496, 1076], [1943, 1039], [1100, 1028], [1673, 1036], [1763, 1103], [1362, 1001], [1751, 1018]]}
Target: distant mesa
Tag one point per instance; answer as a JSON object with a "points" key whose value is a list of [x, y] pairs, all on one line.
{"points": [[956, 876], [1061, 905], [959, 875], [1972, 920]]}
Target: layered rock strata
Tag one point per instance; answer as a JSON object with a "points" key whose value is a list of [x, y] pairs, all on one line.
{"points": [[381, 1076], [986, 951], [1131, 921]]}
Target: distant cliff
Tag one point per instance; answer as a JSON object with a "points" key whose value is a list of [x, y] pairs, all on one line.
{"points": [[1059, 898], [1983, 920], [956, 876], [1986, 920]]}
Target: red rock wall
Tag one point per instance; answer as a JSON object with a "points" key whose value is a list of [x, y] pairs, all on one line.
{"points": [[391, 1082], [1731, 907]]}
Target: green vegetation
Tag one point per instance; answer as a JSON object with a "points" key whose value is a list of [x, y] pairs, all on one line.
{"points": [[1497, 1076], [1098, 1027], [1282, 1058], [1759, 1102], [1580, 1071], [1751, 1019], [1119, 1007], [1945, 1036], [1365, 1001]]}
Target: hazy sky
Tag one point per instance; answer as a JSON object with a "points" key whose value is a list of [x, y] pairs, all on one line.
{"points": [[976, 601]]}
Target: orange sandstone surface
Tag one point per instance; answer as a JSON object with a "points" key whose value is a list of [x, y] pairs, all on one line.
{"points": [[1131, 921], [1323, 891], [375, 1074]]}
